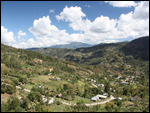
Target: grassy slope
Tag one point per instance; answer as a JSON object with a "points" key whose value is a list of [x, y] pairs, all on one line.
{"points": [[18, 63]]}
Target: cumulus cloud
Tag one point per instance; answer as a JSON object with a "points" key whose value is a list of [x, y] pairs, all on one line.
{"points": [[74, 15], [121, 3], [142, 10], [71, 14], [103, 24], [135, 23], [95, 29], [99, 25], [47, 34], [7, 37], [20, 34], [101, 30]]}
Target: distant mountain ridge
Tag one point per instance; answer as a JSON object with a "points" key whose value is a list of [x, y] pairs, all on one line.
{"points": [[73, 45], [138, 48]]}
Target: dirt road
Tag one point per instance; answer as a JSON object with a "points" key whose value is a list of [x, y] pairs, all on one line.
{"points": [[91, 104]]}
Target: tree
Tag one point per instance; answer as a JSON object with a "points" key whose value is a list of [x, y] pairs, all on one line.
{"points": [[32, 96], [107, 88], [78, 91], [19, 109], [38, 108], [35, 96], [119, 104], [6, 71], [140, 106], [13, 102], [110, 106], [80, 106], [96, 108], [4, 107], [23, 79], [24, 103], [10, 89], [125, 91]]}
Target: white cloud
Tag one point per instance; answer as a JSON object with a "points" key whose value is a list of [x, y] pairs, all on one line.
{"points": [[121, 3], [20, 34], [142, 10], [135, 23], [96, 30], [6, 36], [47, 34], [81, 25], [75, 37], [51, 10], [99, 25], [74, 15], [103, 24], [71, 14], [101, 30]]}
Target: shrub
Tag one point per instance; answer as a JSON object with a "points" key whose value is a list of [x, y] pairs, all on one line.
{"points": [[13, 103]]}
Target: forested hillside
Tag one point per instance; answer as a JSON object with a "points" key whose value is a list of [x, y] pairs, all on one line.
{"points": [[125, 57]]}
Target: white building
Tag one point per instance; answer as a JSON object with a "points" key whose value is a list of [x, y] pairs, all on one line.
{"points": [[51, 100], [98, 97]]}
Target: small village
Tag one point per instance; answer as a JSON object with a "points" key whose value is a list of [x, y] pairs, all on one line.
{"points": [[98, 99]]}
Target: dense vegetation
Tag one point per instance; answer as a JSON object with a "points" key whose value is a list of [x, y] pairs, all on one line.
{"points": [[138, 48], [28, 77], [124, 58]]}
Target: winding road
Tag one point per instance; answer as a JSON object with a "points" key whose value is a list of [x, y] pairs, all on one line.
{"points": [[91, 104]]}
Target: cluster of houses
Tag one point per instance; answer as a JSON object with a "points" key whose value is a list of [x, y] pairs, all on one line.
{"points": [[19, 88], [94, 83], [48, 100], [127, 79]]}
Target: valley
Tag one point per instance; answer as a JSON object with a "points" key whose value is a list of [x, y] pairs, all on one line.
{"points": [[101, 78]]}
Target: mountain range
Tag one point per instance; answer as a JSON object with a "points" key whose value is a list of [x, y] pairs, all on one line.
{"points": [[114, 56], [73, 45]]}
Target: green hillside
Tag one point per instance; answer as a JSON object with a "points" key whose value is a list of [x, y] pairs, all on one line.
{"points": [[138, 48], [29, 78], [125, 57]]}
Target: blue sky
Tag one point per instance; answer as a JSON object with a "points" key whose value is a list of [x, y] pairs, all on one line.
{"points": [[91, 22]]}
